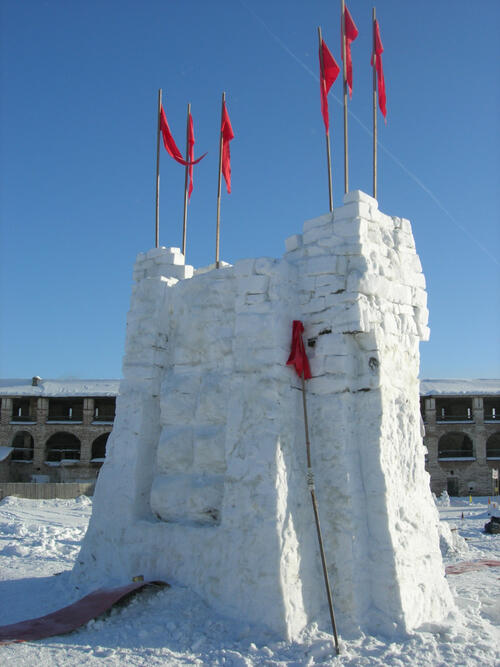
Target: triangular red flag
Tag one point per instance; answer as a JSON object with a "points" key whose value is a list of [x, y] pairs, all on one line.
{"points": [[169, 143], [227, 136], [351, 32], [298, 356], [327, 76], [377, 57], [190, 155]]}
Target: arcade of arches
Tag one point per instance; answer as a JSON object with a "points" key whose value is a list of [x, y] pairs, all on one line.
{"points": [[462, 437]]}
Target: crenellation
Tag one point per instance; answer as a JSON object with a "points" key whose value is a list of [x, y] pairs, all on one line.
{"points": [[315, 234], [360, 196], [318, 222], [293, 242]]}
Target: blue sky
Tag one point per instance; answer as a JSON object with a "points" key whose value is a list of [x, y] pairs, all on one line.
{"points": [[79, 84]]}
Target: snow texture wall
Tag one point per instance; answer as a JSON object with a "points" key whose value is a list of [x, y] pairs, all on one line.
{"points": [[204, 482]]}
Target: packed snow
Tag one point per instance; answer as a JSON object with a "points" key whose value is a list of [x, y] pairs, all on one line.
{"points": [[40, 539]]}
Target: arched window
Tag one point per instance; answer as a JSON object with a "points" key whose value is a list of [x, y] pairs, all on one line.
{"points": [[23, 446], [62, 447], [493, 446], [99, 447], [455, 445]]}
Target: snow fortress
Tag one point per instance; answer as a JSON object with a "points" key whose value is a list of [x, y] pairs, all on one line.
{"points": [[205, 478]]}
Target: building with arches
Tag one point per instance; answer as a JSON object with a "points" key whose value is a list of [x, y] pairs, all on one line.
{"points": [[55, 430], [462, 434]]}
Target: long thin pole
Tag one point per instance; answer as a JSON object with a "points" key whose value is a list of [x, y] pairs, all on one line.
{"points": [[157, 235], [344, 73], [186, 176], [328, 154], [217, 233], [310, 484], [374, 110]]}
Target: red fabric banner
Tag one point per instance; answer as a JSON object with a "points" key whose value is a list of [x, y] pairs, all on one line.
{"points": [[351, 32], [169, 143], [227, 136], [71, 617], [377, 57], [327, 75], [298, 356], [190, 155], [467, 566]]}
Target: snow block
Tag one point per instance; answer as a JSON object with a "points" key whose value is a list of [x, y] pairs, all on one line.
{"points": [[204, 483], [293, 242]]}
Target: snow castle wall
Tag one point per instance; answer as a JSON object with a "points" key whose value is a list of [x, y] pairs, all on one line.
{"points": [[204, 482]]}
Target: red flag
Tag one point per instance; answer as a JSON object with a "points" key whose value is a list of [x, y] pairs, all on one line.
{"points": [[190, 155], [377, 56], [298, 356], [227, 136], [169, 143], [327, 75], [351, 32]]}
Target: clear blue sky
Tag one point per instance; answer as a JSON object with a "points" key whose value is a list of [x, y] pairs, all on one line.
{"points": [[79, 85]]}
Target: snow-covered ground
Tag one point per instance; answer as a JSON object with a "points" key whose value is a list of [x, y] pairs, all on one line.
{"points": [[40, 540]]}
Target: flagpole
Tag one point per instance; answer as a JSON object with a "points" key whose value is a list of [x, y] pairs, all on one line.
{"points": [[184, 226], [310, 484], [217, 233], [328, 153], [374, 109], [157, 235], [344, 73]]}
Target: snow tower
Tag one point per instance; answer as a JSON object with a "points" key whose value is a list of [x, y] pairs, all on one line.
{"points": [[204, 482]]}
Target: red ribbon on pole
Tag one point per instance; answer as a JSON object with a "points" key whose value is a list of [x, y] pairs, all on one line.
{"points": [[327, 75], [298, 356], [170, 145], [351, 32], [227, 136], [190, 155], [377, 56]]}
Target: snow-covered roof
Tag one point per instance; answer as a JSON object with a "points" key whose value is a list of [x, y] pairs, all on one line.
{"points": [[59, 388], [453, 387]]}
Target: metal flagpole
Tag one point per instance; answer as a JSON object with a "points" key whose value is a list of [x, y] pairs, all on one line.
{"points": [[158, 172], [328, 154], [374, 109], [310, 484], [217, 233], [186, 177], [344, 73]]}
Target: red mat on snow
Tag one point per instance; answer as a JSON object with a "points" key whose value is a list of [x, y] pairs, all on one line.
{"points": [[71, 617], [470, 565]]}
